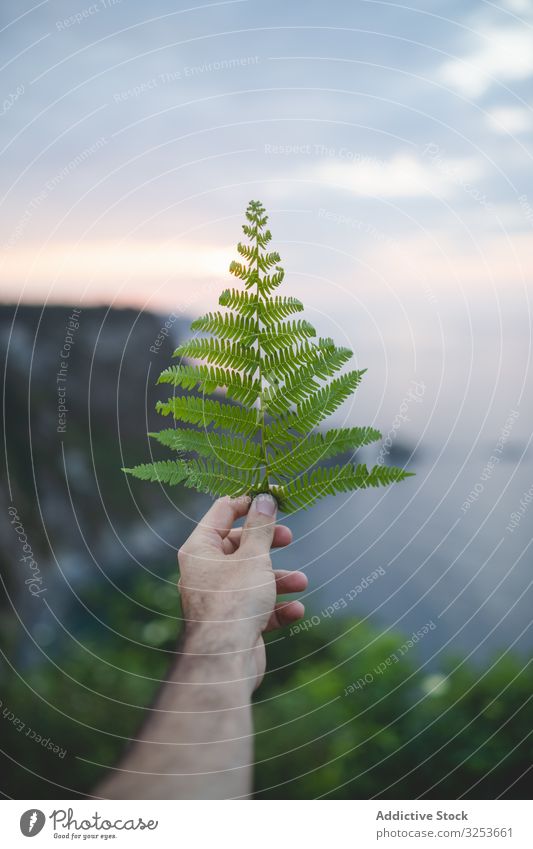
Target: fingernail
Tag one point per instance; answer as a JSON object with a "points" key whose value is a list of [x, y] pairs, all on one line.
{"points": [[265, 504]]}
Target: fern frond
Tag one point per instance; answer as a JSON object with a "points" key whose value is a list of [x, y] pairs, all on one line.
{"points": [[284, 334], [269, 282], [276, 368], [302, 382], [305, 490], [255, 233], [227, 326], [162, 471], [232, 451], [272, 310], [205, 412], [240, 387], [249, 252], [268, 260], [238, 269], [241, 302], [218, 479], [220, 352], [255, 213], [291, 460], [281, 363], [314, 409]]}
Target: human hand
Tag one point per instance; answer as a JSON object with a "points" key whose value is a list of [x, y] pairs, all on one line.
{"points": [[228, 587]]}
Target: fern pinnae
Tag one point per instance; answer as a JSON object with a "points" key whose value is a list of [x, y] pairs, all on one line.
{"points": [[216, 478], [284, 382], [266, 261], [242, 302], [255, 233], [327, 480], [314, 409], [284, 334], [249, 252], [206, 412], [226, 326], [303, 382], [220, 352], [162, 471], [273, 310], [269, 282], [209, 378], [240, 270], [232, 451], [318, 447], [281, 364]]}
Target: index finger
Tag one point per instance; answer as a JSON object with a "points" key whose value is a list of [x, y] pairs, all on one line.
{"points": [[220, 518]]}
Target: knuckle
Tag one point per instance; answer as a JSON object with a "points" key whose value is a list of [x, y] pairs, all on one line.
{"points": [[183, 553]]}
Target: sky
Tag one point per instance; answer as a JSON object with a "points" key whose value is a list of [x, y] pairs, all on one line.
{"points": [[391, 144]]}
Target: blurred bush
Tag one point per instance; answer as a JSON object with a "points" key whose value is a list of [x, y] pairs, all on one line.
{"points": [[407, 733]]}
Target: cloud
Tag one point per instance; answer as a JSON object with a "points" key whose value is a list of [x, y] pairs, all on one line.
{"points": [[519, 6], [510, 119], [506, 55], [403, 175], [446, 263], [104, 270]]}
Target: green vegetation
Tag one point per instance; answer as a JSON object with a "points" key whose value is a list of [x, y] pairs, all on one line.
{"points": [[409, 732]]}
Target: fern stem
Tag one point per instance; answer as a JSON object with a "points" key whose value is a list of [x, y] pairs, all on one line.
{"points": [[266, 482]]}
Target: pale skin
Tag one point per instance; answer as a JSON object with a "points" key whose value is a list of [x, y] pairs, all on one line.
{"points": [[197, 740]]}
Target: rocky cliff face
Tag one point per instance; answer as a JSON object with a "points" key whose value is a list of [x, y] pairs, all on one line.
{"points": [[78, 400]]}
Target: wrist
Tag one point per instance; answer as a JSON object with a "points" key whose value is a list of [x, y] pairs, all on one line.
{"points": [[219, 637], [218, 653]]}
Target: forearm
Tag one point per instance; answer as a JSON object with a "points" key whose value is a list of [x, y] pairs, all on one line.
{"points": [[197, 740]]}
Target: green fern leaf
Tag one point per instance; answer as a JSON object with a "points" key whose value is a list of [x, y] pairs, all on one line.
{"points": [[254, 233], [284, 382], [249, 252], [255, 213], [305, 490], [209, 378], [282, 363], [268, 282], [273, 310], [240, 270], [218, 479], [205, 412], [231, 451], [268, 260], [303, 382], [163, 471], [318, 446], [284, 334], [220, 352], [241, 302], [314, 409], [227, 326]]}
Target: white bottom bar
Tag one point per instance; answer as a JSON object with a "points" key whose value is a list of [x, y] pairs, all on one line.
{"points": [[260, 825]]}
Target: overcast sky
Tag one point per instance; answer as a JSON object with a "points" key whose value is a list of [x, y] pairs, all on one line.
{"points": [[133, 135], [391, 145]]}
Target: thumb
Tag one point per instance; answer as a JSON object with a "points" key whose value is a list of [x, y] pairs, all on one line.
{"points": [[258, 531]]}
